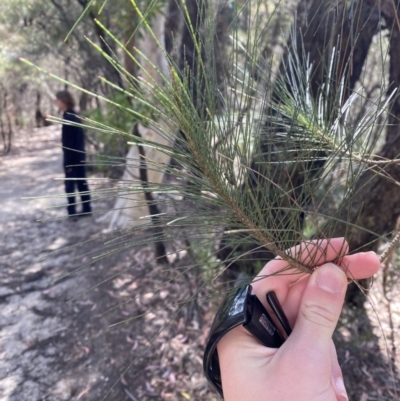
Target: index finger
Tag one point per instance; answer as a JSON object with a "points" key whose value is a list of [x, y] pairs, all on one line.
{"points": [[311, 254]]}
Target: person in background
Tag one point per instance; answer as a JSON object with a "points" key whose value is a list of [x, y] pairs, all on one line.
{"points": [[73, 143]]}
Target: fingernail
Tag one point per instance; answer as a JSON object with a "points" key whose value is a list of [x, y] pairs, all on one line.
{"points": [[340, 388], [331, 278]]}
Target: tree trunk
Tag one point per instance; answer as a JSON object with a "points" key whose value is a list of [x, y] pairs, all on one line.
{"points": [[324, 27], [376, 204], [130, 208], [110, 72], [172, 33]]}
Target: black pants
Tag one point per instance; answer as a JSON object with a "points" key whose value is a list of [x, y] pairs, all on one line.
{"points": [[81, 184]]}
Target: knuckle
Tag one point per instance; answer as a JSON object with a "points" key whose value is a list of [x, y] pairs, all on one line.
{"points": [[319, 314]]}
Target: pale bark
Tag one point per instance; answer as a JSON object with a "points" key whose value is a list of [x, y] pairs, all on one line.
{"points": [[130, 208]]}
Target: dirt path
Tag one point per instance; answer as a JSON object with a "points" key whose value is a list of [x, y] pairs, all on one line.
{"points": [[52, 349], [35, 338]]}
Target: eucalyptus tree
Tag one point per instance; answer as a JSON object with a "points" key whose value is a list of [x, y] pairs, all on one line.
{"points": [[174, 31]]}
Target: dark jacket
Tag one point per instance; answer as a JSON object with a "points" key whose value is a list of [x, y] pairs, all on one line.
{"points": [[73, 140]]}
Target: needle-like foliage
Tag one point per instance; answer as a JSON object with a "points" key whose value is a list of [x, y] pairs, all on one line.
{"points": [[259, 153]]}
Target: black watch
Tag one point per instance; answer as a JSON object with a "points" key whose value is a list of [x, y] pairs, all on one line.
{"points": [[241, 307]]}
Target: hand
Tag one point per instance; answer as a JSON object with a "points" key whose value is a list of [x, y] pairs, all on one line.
{"points": [[305, 367]]}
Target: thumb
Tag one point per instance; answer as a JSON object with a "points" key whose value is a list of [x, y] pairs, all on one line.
{"points": [[320, 309]]}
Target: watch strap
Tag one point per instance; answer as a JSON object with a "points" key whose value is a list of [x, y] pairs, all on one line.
{"points": [[241, 307], [230, 314]]}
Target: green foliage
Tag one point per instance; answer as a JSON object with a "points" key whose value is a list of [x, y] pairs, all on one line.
{"points": [[262, 179], [37, 29]]}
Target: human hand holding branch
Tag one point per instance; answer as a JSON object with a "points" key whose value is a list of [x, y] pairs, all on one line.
{"points": [[305, 367]]}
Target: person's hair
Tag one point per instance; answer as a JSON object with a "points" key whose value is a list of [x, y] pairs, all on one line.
{"points": [[66, 98]]}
